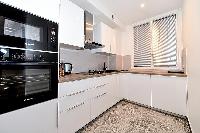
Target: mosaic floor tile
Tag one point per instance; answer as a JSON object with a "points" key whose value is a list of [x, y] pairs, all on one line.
{"points": [[126, 117]]}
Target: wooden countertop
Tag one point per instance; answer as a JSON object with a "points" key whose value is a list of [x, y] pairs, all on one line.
{"points": [[80, 76], [156, 72]]}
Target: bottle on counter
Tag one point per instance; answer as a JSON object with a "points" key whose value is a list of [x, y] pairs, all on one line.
{"points": [[61, 70]]}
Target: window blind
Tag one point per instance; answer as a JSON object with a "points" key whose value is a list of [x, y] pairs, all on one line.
{"points": [[142, 45], [164, 42]]}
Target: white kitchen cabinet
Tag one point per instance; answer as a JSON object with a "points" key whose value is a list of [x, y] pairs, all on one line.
{"points": [[99, 104], [72, 87], [100, 100], [169, 93], [104, 95], [43, 8], [71, 24], [104, 35], [74, 105], [74, 117], [39, 118], [114, 91], [136, 88]]}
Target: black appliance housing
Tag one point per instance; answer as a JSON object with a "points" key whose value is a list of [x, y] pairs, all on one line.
{"points": [[26, 78], [28, 59], [24, 30]]}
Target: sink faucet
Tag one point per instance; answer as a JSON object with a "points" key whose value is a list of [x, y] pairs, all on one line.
{"points": [[104, 66]]}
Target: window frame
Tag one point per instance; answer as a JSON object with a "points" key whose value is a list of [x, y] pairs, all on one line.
{"points": [[179, 49]]}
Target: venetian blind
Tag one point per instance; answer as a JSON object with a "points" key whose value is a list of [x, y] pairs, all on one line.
{"points": [[164, 42], [142, 45]]}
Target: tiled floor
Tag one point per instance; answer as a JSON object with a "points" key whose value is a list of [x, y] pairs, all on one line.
{"points": [[126, 117]]}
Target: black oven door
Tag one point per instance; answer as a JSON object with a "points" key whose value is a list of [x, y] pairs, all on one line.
{"points": [[25, 84]]}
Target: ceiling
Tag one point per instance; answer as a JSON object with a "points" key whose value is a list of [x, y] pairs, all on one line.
{"points": [[129, 11]]}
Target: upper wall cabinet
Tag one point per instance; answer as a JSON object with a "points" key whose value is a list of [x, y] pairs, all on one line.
{"points": [[71, 24], [104, 35], [43, 8]]}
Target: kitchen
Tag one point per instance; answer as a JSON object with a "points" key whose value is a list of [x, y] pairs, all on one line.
{"points": [[99, 66]]}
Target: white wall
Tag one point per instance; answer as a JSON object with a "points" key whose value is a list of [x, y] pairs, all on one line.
{"points": [[191, 39], [127, 41], [118, 40]]}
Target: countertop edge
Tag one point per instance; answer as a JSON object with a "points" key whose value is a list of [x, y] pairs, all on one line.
{"points": [[63, 79]]}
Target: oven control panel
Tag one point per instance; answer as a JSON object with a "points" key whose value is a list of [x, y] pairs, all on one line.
{"points": [[26, 56], [53, 38]]}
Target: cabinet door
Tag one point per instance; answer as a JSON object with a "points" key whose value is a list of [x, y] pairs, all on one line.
{"points": [[43, 8], [103, 35], [74, 118], [136, 88], [39, 118], [113, 89], [99, 104], [71, 24], [169, 94], [106, 37]]}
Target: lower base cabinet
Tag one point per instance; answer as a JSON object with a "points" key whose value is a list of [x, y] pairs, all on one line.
{"points": [[99, 104], [75, 110], [169, 93], [136, 88], [39, 118], [83, 101], [74, 118]]}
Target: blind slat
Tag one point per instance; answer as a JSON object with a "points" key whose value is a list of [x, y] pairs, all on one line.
{"points": [[142, 45], [164, 41], [156, 44]]}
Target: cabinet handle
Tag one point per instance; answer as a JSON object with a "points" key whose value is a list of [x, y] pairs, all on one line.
{"points": [[100, 86], [72, 108], [100, 95], [76, 93], [76, 106]]}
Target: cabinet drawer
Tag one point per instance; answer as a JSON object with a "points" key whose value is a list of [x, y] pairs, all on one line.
{"points": [[99, 89], [99, 104], [74, 118], [71, 88], [69, 100]]}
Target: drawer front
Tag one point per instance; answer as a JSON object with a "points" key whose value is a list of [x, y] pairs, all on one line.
{"points": [[74, 118], [99, 89], [69, 100], [71, 88], [99, 104]]}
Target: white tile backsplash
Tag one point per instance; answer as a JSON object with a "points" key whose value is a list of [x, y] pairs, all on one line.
{"points": [[82, 60]]}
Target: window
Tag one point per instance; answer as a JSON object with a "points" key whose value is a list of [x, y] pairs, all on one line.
{"points": [[142, 45], [155, 43]]}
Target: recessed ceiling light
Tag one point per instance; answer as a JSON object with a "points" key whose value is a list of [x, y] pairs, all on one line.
{"points": [[142, 5]]}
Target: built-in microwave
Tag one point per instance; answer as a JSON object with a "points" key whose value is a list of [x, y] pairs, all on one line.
{"points": [[24, 30], [28, 59]]}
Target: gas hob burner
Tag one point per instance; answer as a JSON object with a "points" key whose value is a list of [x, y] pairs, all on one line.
{"points": [[92, 72]]}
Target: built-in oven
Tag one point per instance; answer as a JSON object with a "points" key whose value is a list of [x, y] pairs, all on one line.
{"points": [[23, 30], [26, 78], [28, 59]]}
